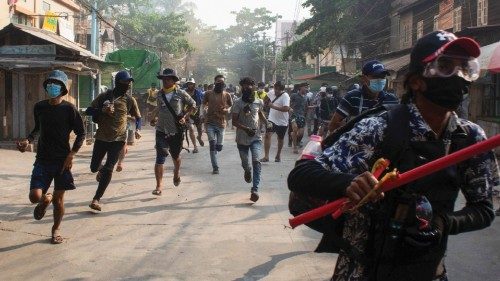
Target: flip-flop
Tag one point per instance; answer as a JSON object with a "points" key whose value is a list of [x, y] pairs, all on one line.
{"points": [[57, 239], [277, 159], [156, 192], [177, 181], [95, 206], [40, 209], [264, 160], [119, 168]]}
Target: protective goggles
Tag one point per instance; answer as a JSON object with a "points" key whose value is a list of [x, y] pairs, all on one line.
{"points": [[447, 65]]}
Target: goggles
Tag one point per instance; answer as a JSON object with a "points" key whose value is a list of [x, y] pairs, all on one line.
{"points": [[444, 66]]}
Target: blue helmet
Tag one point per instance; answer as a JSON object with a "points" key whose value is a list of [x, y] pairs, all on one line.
{"points": [[123, 75], [59, 76]]}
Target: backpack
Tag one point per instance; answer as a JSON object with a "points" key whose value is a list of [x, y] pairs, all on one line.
{"points": [[396, 139]]}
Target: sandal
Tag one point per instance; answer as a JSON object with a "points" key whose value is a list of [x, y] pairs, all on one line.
{"points": [[277, 159], [119, 168], [41, 207], [264, 160], [177, 181], [156, 192], [56, 239], [95, 206]]}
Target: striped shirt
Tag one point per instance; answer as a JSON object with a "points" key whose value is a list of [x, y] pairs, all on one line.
{"points": [[357, 101]]}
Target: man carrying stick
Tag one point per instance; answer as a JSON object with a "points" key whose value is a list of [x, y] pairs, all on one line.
{"points": [[403, 234]]}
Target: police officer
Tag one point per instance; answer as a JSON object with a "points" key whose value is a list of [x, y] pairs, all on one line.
{"points": [[403, 234]]}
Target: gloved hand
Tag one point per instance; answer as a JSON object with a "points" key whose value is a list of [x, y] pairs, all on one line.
{"points": [[424, 237]]}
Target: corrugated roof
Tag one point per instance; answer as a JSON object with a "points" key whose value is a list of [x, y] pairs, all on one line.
{"points": [[53, 38], [22, 64], [398, 63]]}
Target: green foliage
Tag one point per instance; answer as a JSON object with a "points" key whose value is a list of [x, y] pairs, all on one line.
{"points": [[152, 22], [341, 22]]}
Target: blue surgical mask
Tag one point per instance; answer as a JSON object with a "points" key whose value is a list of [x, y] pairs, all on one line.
{"points": [[377, 85], [53, 90]]}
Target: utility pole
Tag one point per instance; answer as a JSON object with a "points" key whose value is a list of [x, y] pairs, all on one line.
{"points": [[287, 78], [275, 49], [264, 58], [93, 48]]}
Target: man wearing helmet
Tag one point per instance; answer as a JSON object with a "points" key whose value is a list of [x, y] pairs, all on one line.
{"points": [[109, 110]]}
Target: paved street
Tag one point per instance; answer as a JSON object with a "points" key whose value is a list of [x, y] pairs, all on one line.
{"points": [[205, 229]]}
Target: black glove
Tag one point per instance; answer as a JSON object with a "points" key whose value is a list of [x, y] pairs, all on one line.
{"points": [[425, 237]]}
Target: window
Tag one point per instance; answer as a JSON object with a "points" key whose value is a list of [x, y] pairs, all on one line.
{"points": [[20, 19], [491, 99], [436, 22], [420, 29], [457, 19], [45, 6], [482, 12]]}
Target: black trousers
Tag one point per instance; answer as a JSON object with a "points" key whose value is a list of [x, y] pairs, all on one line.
{"points": [[101, 148]]}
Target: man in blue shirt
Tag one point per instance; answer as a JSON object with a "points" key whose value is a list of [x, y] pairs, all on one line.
{"points": [[371, 95]]}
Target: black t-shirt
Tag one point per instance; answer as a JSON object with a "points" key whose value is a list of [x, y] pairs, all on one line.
{"points": [[53, 124]]}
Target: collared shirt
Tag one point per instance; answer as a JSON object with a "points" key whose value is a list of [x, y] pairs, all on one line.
{"points": [[353, 151], [357, 101], [166, 122], [114, 127]]}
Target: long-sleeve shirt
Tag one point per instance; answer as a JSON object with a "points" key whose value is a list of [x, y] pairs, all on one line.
{"points": [[53, 125], [354, 150]]}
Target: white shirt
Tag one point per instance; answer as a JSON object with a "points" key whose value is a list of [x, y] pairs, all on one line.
{"points": [[280, 118]]}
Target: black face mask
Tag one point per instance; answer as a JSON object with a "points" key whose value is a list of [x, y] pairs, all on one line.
{"points": [[247, 95], [446, 92], [121, 88], [219, 87]]}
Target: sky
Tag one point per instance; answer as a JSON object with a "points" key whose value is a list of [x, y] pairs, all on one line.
{"points": [[218, 12]]}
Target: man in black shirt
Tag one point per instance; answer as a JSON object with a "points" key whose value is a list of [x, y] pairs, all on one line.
{"points": [[55, 118]]}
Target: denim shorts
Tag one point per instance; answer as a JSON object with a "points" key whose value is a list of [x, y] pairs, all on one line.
{"points": [[46, 171], [165, 144]]}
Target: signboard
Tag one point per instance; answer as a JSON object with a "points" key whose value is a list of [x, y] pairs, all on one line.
{"points": [[25, 50], [50, 22], [66, 29]]}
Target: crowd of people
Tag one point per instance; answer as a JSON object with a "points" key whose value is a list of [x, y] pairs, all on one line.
{"points": [[387, 239]]}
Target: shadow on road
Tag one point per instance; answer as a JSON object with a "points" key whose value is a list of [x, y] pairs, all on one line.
{"points": [[263, 270], [15, 247]]}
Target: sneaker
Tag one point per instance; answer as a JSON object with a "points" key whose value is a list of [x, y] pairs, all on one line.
{"points": [[248, 176], [215, 171], [254, 196], [195, 150]]}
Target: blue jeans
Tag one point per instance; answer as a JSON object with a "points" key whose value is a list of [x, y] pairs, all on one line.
{"points": [[216, 140], [255, 148]]}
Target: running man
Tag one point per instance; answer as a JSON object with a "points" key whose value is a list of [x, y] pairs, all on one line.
{"points": [[55, 118]]}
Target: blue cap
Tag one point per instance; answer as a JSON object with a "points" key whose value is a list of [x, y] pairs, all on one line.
{"points": [[374, 67], [123, 75], [57, 75]]}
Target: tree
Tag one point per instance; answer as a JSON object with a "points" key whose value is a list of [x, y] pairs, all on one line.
{"points": [[354, 24]]}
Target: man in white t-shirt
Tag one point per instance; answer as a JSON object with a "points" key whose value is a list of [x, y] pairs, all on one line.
{"points": [[279, 105]]}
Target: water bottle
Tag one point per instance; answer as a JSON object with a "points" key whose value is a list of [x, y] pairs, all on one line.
{"points": [[313, 148]]}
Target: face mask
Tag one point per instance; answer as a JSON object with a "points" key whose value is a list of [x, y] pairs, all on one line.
{"points": [[377, 85], [121, 88], [53, 90], [446, 92], [247, 95], [219, 87]]}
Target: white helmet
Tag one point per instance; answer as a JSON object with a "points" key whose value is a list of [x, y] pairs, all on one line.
{"points": [[191, 80]]}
